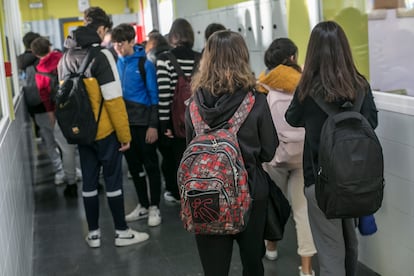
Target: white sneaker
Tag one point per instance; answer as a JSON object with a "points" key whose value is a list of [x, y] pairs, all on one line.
{"points": [[303, 274], [170, 198], [129, 236], [138, 213], [271, 254], [154, 217], [78, 175], [60, 177], [94, 239]]}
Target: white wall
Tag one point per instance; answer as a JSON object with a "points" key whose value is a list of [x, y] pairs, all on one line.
{"points": [[391, 58], [391, 250], [16, 197]]}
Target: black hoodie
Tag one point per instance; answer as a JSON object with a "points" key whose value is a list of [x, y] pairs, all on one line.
{"points": [[257, 136]]}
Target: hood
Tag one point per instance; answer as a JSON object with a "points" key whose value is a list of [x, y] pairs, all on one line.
{"points": [[217, 110], [82, 37], [49, 63], [139, 51], [282, 78]]}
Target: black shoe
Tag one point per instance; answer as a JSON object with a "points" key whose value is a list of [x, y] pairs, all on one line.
{"points": [[71, 191]]}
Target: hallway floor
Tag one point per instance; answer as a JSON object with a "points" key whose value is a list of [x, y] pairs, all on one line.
{"points": [[60, 248]]}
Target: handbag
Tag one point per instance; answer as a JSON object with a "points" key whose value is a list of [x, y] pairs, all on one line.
{"points": [[367, 225], [278, 212]]}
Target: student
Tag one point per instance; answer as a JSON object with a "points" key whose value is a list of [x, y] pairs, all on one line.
{"points": [[52, 135], [156, 45], [181, 38], [220, 85], [210, 29], [329, 72], [25, 62], [113, 136], [279, 81], [141, 99]]}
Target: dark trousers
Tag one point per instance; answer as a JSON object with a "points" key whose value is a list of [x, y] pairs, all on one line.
{"points": [[216, 250], [141, 153], [171, 151], [105, 153]]}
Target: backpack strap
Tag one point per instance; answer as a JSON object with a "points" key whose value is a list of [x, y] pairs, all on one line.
{"points": [[82, 68], [234, 123], [141, 68], [177, 66]]}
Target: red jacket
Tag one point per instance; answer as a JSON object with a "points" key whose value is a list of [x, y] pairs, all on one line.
{"points": [[47, 64]]}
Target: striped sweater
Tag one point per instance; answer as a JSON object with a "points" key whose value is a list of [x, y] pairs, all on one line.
{"points": [[167, 79]]}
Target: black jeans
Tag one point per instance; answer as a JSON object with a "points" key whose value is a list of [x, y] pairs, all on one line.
{"points": [[140, 153], [216, 250]]}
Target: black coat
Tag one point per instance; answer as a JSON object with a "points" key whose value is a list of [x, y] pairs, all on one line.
{"points": [[257, 136]]}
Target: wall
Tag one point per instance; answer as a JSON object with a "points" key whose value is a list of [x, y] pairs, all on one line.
{"points": [[391, 250], [259, 22], [16, 198]]}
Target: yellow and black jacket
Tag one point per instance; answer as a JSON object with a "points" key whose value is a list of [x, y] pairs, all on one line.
{"points": [[102, 82]]}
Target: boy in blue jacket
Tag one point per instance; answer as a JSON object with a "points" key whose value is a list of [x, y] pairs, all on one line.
{"points": [[140, 92]]}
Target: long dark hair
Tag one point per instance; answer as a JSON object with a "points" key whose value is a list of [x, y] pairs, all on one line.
{"points": [[329, 62], [280, 52]]}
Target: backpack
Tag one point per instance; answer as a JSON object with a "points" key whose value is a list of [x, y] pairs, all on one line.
{"points": [[30, 92], [54, 84], [182, 93], [350, 176], [212, 178], [141, 68], [74, 112]]}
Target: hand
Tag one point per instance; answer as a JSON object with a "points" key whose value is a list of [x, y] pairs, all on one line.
{"points": [[124, 147], [169, 133], [151, 136]]}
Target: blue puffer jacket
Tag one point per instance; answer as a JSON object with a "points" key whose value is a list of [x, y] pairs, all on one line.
{"points": [[141, 100]]}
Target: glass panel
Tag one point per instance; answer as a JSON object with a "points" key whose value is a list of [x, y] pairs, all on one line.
{"points": [[381, 36]]}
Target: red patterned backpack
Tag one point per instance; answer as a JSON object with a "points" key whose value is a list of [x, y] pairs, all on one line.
{"points": [[212, 178]]}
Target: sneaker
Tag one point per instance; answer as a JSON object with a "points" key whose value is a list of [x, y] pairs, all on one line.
{"points": [[78, 175], [170, 198], [138, 213], [71, 191], [60, 177], [303, 274], [154, 217], [129, 236], [94, 239], [271, 254]]}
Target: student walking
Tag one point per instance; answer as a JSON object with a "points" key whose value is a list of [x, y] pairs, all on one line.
{"points": [[139, 88], [113, 136], [220, 86], [329, 73], [279, 81], [181, 38], [52, 135]]}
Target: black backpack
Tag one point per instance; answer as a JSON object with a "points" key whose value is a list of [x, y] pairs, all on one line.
{"points": [[54, 84], [350, 175], [30, 91], [74, 112]]}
